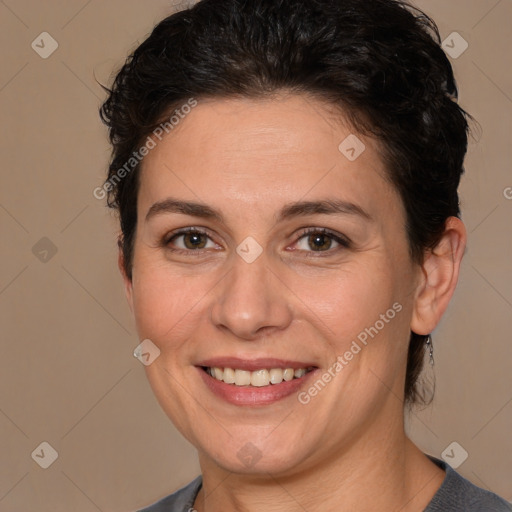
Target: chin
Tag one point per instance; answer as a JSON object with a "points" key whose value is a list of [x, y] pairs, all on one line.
{"points": [[256, 454]]}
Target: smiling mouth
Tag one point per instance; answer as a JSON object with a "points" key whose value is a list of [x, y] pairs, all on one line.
{"points": [[258, 378]]}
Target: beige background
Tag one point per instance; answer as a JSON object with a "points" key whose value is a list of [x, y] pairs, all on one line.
{"points": [[67, 374]]}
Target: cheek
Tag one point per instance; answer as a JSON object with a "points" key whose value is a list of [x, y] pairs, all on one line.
{"points": [[173, 308], [162, 303], [351, 299], [362, 313], [363, 316]]}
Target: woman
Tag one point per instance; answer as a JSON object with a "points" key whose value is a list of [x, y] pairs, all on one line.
{"points": [[286, 177]]}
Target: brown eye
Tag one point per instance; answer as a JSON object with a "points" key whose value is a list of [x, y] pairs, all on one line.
{"points": [[194, 240], [189, 240], [319, 242]]}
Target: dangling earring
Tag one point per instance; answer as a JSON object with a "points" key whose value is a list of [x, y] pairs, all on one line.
{"points": [[428, 342]]}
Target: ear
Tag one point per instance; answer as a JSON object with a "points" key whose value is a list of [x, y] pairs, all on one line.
{"points": [[439, 275], [122, 268]]}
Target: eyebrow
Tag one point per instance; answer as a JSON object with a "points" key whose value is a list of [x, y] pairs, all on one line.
{"points": [[291, 210]]}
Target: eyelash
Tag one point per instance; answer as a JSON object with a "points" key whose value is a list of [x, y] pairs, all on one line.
{"points": [[344, 242]]}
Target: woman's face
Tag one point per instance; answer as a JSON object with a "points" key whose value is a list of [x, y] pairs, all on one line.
{"points": [[297, 258]]}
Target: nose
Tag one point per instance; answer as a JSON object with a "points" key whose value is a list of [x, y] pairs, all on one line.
{"points": [[251, 301]]}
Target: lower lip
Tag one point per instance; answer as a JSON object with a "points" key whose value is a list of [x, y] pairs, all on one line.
{"points": [[253, 395]]}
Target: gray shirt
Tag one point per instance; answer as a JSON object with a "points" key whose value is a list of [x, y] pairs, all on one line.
{"points": [[456, 494]]}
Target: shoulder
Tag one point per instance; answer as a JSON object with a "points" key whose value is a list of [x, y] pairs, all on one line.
{"points": [[459, 494], [180, 501]]}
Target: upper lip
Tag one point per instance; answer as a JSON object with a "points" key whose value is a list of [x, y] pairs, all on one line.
{"points": [[253, 364]]}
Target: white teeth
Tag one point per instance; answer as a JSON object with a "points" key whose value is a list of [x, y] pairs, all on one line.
{"points": [[242, 378], [260, 378], [288, 374], [276, 376], [229, 376], [257, 378]]}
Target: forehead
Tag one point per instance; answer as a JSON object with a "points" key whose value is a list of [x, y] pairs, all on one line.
{"points": [[256, 152]]}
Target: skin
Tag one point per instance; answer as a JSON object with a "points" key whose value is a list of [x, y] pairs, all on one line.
{"points": [[346, 449]]}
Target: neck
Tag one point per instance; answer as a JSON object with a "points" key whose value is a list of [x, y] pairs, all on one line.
{"points": [[386, 473]]}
